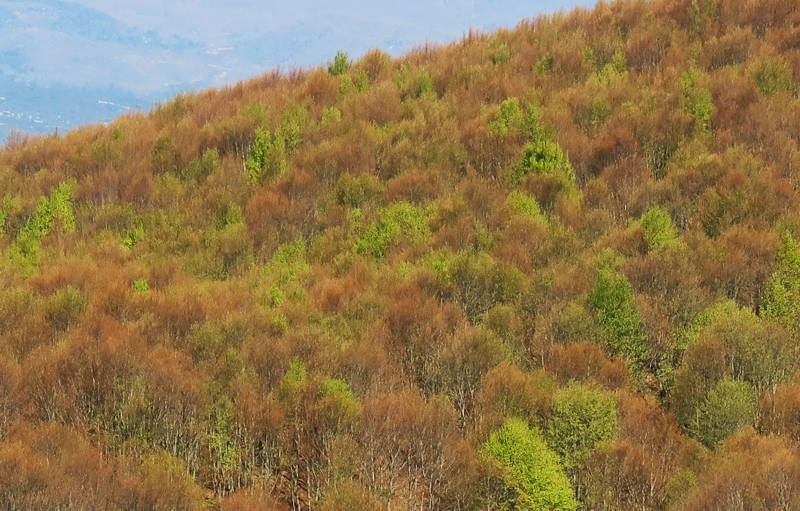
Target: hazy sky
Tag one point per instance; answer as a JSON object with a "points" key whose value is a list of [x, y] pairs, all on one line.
{"points": [[65, 63]]}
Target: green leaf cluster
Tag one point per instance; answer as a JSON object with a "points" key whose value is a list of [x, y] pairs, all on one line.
{"points": [[530, 469]]}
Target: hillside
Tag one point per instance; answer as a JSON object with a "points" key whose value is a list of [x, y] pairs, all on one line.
{"points": [[554, 267]]}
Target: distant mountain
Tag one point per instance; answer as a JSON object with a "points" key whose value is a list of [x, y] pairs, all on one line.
{"points": [[64, 64]]}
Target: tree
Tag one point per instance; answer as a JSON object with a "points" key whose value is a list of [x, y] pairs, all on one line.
{"points": [[340, 64], [617, 314], [728, 407], [529, 468], [582, 417], [268, 157], [659, 230], [782, 300]]}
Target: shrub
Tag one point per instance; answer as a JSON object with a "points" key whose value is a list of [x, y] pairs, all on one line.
{"points": [[355, 191], [499, 53]]}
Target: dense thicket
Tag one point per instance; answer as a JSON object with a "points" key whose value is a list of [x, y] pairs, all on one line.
{"points": [[550, 267]]}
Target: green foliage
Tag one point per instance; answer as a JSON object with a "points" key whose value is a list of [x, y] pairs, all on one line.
{"points": [[509, 119], [774, 75], [133, 237], [697, 101], [659, 230], [289, 262], [65, 307], [499, 53], [415, 83], [228, 245], [276, 296], [268, 157], [339, 408], [290, 130], [477, 282], [582, 418], [202, 167], [330, 116], [782, 295], [701, 14], [140, 286], [529, 468], [10, 206], [221, 444], [356, 191], [340, 64], [544, 65], [617, 314], [25, 253], [727, 408], [525, 204], [399, 221], [615, 69], [543, 156]]}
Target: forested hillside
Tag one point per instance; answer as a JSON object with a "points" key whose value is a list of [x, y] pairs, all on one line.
{"points": [[555, 267]]}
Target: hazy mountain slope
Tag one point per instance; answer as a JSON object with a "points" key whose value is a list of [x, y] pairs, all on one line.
{"points": [[552, 267], [62, 62]]}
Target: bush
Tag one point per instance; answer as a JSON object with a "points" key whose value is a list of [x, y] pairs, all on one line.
{"points": [[782, 300]]}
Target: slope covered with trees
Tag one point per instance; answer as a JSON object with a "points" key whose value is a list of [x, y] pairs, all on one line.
{"points": [[554, 267]]}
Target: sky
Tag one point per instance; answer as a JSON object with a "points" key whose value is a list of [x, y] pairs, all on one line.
{"points": [[64, 64]]}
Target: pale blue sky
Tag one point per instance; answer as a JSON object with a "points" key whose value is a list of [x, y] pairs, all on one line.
{"points": [[66, 63]]}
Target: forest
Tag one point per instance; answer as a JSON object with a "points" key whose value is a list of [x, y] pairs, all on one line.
{"points": [[554, 267]]}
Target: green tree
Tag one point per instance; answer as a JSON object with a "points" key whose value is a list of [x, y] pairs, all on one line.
{"points": [[268, 157], [697, 100], [782, 300], [544, 156], [582, 418], [25, 253], [659, 231], [399, 221], [727, 408], [774, 75], [617, 314], [340, 64], [529, 468]]}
